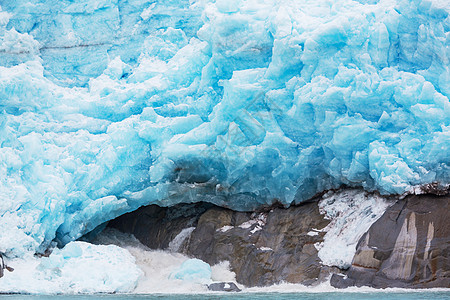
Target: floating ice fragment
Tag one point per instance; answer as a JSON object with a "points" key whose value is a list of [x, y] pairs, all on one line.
{"points": [[194, 270]]}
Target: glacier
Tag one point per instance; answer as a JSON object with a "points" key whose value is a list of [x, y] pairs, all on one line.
{"points": [[109, 105], [78, 268]]}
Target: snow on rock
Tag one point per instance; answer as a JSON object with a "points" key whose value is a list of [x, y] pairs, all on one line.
{"points": [[106, 106], [351, 213], [77, 268]]}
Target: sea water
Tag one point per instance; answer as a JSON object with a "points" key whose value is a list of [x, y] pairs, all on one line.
{"points": [[413, 295]]}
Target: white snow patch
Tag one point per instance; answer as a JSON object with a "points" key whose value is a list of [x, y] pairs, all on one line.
{"points": [[225, 228], [265, 249], [351, 212], [260, 221], [247, 224]]}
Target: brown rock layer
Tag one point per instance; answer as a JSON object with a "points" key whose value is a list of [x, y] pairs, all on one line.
{"points": [[264, 248]]}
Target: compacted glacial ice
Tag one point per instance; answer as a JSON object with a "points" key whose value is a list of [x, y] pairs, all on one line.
{"points": [[79, 267], [109, 105]]}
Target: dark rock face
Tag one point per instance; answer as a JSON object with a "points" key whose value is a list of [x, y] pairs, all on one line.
{"points": [[224, 287], [157, 226], [409, 246], [2, 266], [262, 248]]}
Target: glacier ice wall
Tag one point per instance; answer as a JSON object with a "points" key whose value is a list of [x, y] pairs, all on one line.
{"points": [[108, 105]]}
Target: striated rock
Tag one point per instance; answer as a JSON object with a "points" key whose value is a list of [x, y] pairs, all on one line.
{"points": [[409, 246], [223, 287]]}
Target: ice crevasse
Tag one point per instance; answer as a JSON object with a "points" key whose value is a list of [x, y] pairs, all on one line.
{"points": [[109, 105]]}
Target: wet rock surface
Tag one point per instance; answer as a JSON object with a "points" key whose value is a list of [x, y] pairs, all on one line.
{"points": [[409, 246], [223, 287]]}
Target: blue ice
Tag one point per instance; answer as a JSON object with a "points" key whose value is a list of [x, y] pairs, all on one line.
{"points": [[194, 270], [109, 105]]}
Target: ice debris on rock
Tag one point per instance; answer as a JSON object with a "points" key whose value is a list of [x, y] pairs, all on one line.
{"points": [[106, 106], [351, 213]]}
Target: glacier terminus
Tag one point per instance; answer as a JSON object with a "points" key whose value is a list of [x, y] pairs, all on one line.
{"points": [[110, 105]]}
